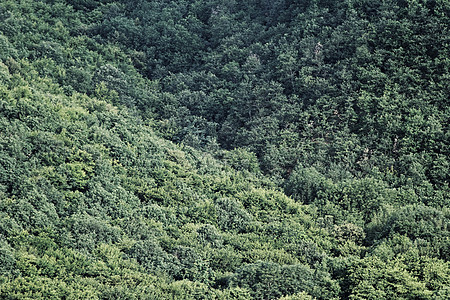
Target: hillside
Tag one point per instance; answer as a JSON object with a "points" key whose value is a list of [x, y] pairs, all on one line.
{"points": [[215, 149]]}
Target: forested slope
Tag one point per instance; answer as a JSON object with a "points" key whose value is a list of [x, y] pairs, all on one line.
{"points": [[215, 149]]}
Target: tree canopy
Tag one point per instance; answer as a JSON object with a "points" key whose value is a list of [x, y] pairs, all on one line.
{"points": [[212, 149]]}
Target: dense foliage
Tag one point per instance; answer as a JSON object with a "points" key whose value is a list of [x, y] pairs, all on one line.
{"points": [[212, 149]]}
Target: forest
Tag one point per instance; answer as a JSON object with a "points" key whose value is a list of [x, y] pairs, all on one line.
{"points": [[223, 149]]}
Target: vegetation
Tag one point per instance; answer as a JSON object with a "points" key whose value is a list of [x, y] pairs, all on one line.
{"points": [[212, 149]]}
